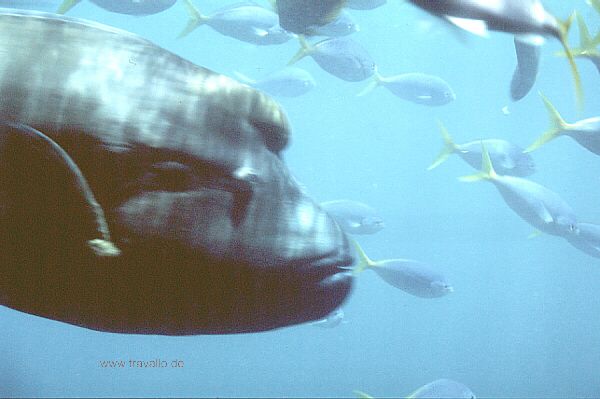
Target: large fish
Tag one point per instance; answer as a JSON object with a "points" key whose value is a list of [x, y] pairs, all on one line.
{"points": [[140, 193]]}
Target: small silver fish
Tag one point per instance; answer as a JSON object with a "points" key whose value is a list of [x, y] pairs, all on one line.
{"points": [[410, 276], [540, 207], [507, 158], [246, 22], [354, 217], [418, 88], [586, 131], [288, 82], [342, 57]]}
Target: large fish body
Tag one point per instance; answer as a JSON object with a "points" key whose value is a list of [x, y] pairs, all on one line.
{"points": [[212, 234], [512, 16], [525, 74]]}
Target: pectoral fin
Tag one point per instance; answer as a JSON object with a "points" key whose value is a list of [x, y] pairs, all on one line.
{"points": [[543, 213], [45, 197]]}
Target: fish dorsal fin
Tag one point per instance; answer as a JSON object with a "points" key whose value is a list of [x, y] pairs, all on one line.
{"points": [[475, 26]]}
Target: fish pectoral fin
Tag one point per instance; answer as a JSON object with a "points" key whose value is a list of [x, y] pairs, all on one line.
{"points": [[475, 26], [424, 97], [543, 213], [45, 198]]}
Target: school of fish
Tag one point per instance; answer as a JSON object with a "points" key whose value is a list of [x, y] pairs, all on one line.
{"points": [[324, 29]]}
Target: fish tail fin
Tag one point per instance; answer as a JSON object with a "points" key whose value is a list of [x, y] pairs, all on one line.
{"points": [[585, 39], [557, 126], [376, 80], [363, 260], [447, 150], [564, 30], [487, 169], [66, 5], [362, 395], [244, 79], [196, 19], [305, 49], [596, 5]]}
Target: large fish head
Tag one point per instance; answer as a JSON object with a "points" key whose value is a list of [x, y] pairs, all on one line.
{"points": [[216, 211]]}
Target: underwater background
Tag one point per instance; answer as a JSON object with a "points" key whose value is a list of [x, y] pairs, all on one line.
{"points": [[523, 320]]}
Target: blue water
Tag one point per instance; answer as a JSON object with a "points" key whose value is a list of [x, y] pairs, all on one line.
{"points": [[523, 319]]}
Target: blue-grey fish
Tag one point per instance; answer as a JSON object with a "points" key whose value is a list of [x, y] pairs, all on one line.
{"points": [[354, 217], [149, 192], [130, 7], [587, 239], [524, 17], [332, 320], [247, 22], [343, 25], [507, 158], [288, 82], [342, 57], [364, 4], [528, 61], [304, 16], [540, 207], [418, 88], [410, 276], [586, 131]]}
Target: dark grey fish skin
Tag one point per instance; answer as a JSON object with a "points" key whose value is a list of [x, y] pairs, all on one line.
{"points": [[209, 232], [302, 16], [528, 62]]}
